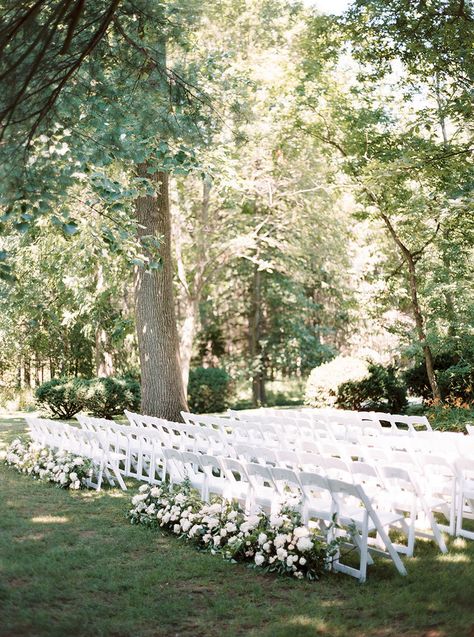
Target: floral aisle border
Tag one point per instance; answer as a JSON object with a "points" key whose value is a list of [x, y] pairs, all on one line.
{"points": [[277, 543], [43, 463]]}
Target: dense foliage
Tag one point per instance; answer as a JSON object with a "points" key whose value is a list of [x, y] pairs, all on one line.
{"points": [[101, 397], [313, 172], [61, 397], [380, 390], [209, 390]]}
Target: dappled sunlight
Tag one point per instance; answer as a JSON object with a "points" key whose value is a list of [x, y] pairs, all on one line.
{"points": [[318, 625], [31, 537], [459, 543], [455, 558], [50, 519]]}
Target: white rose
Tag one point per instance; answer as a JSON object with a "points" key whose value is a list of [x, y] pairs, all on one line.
{"points": [[185, 525], [276, 521], [304, 544], [282, 554], [177, 528], [212, 522], [262, 538], [73, 476], [280, 540], [302, 561], [301, 531], [155, 492], [217, 540], [259, 559], [215, 508], [143, 488], [230, 527], [266, 547]]}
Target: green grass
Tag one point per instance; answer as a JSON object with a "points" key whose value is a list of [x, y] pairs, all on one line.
{"points": [[72, 565]]}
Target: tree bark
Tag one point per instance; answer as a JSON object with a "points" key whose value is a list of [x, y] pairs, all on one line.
{"points": [[158, 343], [258, 377], [419, 323], [188, 332], [104, 364], [192, 289]]}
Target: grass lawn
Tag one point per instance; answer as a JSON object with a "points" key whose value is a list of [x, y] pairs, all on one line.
{"points": [[72, 565]]}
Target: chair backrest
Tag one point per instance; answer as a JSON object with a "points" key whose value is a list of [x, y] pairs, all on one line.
{"points": [[262, 455], [259, 474], [288, 459], [310, 480], [235, 470], [310, 462], [286, 481], [211, 464]]}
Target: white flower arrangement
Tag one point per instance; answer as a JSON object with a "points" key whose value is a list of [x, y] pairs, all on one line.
{"points": [[277, 543], [43, 463]]}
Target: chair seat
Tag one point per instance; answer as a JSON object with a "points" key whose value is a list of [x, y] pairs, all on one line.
{"points": [[356, 516]]}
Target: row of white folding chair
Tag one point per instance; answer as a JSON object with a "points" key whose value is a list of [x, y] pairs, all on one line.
{"points": [[388, 449], [397, 423], [141, 445], [273, 434], [442, 499], [268, 435], [323, 500], [80, 442]]}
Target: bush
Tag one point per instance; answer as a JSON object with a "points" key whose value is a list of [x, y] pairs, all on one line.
{"points": [[108, 397], [61, 397], [449, 417], [381, 390], [455, 378], [101, 397], [209, 390], [323, 382]]}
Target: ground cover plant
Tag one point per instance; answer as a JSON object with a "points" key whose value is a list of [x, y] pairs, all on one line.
{"points": [[72, 564]]}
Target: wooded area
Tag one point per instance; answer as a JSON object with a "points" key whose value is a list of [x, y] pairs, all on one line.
{"points": [[250, 185]]}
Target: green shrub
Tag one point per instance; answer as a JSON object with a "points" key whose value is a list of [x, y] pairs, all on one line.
{"points": [[61, 397], [455, 378], [323, 382], [209, 390], [101, 397], [381, 390], [108, 397], [449, 418]]}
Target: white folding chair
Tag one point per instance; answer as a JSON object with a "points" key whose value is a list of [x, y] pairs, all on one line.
{"points": [[465, 507], [355, 513], [263, 493]]}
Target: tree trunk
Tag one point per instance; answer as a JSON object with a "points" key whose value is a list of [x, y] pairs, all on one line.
{"points": [[104, 364], [158, 344], [188, 332], [258, 377], [420, 330]]}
